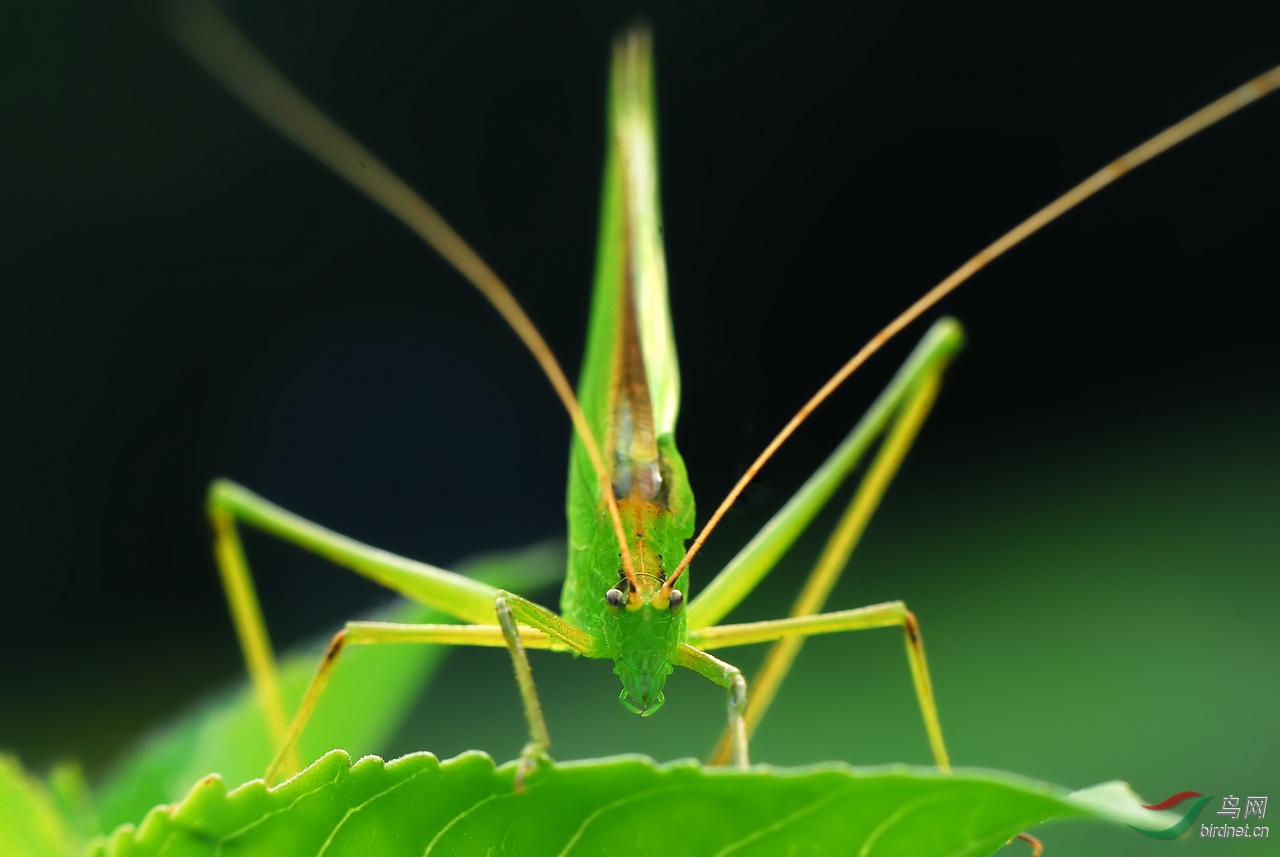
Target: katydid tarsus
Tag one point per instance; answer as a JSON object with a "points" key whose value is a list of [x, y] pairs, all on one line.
{"points": [[631, 510]]}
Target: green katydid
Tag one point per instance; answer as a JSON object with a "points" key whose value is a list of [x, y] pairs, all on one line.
{"points": [[630, 506]]}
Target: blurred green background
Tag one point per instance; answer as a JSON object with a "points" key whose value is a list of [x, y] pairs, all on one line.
{"points": [[1087, 530]]}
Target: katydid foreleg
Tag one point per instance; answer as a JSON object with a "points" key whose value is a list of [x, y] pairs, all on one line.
{"points": [[539, 739], [727, 676], [546, 624]]}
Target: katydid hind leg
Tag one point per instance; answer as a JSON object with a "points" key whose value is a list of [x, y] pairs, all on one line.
{"points": [[834, 558], [461, 597], [246, 616], [230, 504], [761, 555]]}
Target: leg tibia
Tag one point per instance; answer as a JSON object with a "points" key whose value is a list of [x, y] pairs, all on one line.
{"points": [[286, 757], [246, 615], [924, 691]]}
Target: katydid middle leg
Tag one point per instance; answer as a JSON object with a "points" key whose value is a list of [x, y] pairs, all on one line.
{"points": [[376, 633], [890, 614]]}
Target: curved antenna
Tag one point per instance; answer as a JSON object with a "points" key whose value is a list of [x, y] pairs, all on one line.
{"points": [[1204, 117], [225, 53]]}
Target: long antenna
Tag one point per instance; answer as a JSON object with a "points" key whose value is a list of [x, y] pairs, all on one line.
{"points": [[226, 54], [1165, 140]]}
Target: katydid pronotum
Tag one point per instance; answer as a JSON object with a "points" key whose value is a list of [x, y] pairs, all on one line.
{"points": [[631, 508]]}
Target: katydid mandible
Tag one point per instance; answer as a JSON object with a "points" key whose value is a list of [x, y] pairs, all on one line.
{"points": [[630, 507]]}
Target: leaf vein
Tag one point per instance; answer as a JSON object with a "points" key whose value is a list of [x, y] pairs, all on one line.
{"points": [[233, 834], [435, 839], [599, 811], [353, 810], [168, 840], [895, 818], [784, 821]]}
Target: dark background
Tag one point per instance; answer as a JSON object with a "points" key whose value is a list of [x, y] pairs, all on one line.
{"points": [[1087, 528]]}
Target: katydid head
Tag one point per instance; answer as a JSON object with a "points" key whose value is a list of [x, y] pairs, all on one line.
{"points": [[643, 631]]}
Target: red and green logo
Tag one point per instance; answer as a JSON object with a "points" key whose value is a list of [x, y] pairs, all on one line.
{"points": [[1182, 825]]}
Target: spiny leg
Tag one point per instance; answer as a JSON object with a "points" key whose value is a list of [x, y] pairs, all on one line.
{"points": [[375, 633], [876, 616], [727, 676], [835, 557]]}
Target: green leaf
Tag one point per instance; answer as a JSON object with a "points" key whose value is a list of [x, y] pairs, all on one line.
{"points": [[417, 805], [74, 800], [31, 820], [371, 691]]}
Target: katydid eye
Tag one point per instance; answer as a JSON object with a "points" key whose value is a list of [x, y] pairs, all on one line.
{"points": [[676, 601], [615, 598]]}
